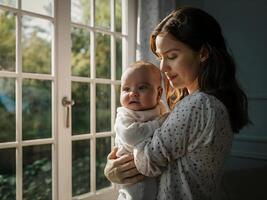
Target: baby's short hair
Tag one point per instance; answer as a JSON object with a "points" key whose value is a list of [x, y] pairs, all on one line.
{"points": [[146, 65]]}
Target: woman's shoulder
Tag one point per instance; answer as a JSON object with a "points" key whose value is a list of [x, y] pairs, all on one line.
{"points": [[201, 99]]}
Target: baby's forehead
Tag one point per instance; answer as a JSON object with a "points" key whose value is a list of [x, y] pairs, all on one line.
{"points": [[144, 69]]}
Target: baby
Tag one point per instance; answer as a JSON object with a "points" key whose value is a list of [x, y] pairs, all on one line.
{"points": [[141, 113]]}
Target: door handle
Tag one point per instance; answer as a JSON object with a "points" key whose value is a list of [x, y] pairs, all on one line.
{"points": [[67, 103]]}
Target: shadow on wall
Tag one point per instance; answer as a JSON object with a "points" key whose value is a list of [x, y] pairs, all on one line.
{"points": [[246, 184]]}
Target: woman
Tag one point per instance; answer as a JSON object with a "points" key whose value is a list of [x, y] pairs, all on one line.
{"points": [[207, 106]]}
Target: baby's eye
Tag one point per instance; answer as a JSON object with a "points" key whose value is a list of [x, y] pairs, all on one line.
{"points": [[143, 87], [126, 89]]}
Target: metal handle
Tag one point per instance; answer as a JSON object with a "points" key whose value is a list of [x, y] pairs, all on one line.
{"points": [[66, 103]]}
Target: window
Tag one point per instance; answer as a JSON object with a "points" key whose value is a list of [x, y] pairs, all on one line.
{"points": [[50, 50]]}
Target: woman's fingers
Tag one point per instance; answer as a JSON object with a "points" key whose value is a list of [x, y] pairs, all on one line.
{"points": [[134, 179], [112, 154], [127, 166], [122, 160], [122, 170], [129, 173]]}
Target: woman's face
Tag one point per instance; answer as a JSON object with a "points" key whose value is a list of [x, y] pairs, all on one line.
{"points": [[178, 61]]}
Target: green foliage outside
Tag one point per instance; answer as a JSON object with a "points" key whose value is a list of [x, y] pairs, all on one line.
{"points": [[37, 102]]}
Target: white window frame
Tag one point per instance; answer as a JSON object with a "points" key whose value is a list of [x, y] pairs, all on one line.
{"points": [[63, 52], [60, 77]]}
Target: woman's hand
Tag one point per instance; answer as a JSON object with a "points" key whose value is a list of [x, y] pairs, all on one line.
{"points": [[122, 170]]}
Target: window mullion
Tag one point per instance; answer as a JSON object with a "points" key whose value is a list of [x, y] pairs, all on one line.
{"points": [[92, 101], [19, 164], [63, 83]]}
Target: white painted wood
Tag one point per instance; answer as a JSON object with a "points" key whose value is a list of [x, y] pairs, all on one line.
{"points": [[60, 78], [19, 172], [63, 85]]}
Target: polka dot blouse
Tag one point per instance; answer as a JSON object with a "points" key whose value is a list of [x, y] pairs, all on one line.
{"points": [[189, 150]]}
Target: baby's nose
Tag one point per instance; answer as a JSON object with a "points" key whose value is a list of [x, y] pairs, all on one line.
{"points": [[134, 93]]}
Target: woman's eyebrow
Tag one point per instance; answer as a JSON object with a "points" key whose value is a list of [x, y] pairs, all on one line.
{"points": [[174, 49]]}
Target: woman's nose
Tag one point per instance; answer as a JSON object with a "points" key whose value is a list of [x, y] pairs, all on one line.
{"points": [[164, 67]]}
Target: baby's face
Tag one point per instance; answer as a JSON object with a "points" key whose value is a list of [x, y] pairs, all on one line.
{"points": [[140, 90]]}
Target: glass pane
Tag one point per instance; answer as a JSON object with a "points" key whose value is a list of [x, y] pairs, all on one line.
{"points": [[80, 167], [118, 59], [8, 2], [7, 41], [103, 108], [7, 110], [102, 56], [8, 174], [103, 147], [80, 11], [118, 93], [44, 7], [36, 45], [118, 15], [102, 13], [80, 60], [37, 173], [36, 111], [81, 108]]}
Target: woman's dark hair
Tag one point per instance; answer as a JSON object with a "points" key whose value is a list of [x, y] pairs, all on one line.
{"points": [[198, 29]]}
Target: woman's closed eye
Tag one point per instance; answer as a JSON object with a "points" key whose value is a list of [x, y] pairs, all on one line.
{"points": [[169, 57], [172, 56]]}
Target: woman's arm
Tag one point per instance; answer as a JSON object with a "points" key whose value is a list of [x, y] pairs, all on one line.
{"points": [[121, 170], [188, 125]]}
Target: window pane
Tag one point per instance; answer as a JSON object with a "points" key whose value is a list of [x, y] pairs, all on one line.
{"points": [[36, 45], [103, 147], [80, 167], [44, 7], [8, 2], [7, 110], [36, 113], [118, 59], [80, 11], [7, 41], [118, 15], [103, 108], [37, 172], [80, 61], [102, 56], [7, 174], [81, 108], [102, 13], [118, 92]]}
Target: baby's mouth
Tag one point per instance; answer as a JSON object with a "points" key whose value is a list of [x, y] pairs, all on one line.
{"points": [[133, 102]]}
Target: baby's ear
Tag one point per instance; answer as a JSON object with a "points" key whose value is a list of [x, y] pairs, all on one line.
{"points": [[160, 90]]}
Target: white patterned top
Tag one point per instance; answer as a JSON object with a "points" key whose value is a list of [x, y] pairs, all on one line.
{"points": [[189, 149]]}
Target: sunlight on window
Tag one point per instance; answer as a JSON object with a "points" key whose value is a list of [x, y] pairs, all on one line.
{"points": [[7, 41], [36, 45], [80, 11], [38, 6], [8, 2]]}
